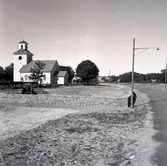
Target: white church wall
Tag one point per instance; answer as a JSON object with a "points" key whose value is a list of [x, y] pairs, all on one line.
{"points": [[47, 78], [19, 61], [24, 77], [61, 80], [23, 57]]}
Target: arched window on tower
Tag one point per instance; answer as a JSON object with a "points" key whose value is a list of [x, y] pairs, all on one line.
{"points": [[21, 46], [20, 57]]}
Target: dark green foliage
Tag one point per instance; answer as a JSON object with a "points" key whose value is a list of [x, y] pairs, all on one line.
{"points": [[69, 70], [142, 78], [37, 72], [110, 79], [114, 78], [87, 70], [9, 72], [126, 77], [1, 73], [6, 75]]}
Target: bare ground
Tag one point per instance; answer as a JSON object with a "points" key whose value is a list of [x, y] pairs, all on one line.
{"points": [[66, 135]]}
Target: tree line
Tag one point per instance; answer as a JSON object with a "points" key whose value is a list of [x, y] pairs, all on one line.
{"points": [[86, 70], [144, 78], [138, 77]]}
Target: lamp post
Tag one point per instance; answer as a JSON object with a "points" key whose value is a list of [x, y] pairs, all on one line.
{"points": [[133, 61]]}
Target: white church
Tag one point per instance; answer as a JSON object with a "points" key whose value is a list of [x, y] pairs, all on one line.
{"points": [[23, 62]]}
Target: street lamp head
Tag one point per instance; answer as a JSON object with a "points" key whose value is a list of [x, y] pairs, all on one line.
{"points": [[158, 48]]}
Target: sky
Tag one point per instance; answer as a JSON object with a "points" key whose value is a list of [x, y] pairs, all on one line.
{"points": [[71, 31]]}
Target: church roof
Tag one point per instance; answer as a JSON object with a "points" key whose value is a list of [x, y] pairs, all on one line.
{"points": [[22, 51], [56, 73], [62, 73], [23, 42], [49, 64]]}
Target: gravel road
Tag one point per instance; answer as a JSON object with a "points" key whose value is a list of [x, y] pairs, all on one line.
{"points": [[158, 97]]}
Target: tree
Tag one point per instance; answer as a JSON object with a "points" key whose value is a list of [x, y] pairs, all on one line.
{"points": [[162, 75], [104, 78], [87, 70], [1, 74], [8, 73], [37, 72], [114, 78], [126, 77], [69, 70]]}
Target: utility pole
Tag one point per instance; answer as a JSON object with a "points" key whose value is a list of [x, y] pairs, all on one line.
{"points": [[165, 73], [109, 76], [133, 60]]}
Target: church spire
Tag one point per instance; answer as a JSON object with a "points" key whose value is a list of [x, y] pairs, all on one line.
{"points": [[23, 45]]}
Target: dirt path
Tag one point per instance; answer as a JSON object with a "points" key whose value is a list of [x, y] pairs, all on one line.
{"points": [[13, 120]]}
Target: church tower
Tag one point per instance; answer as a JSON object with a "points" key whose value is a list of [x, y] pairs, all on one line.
{"points": [[21, 57]]}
